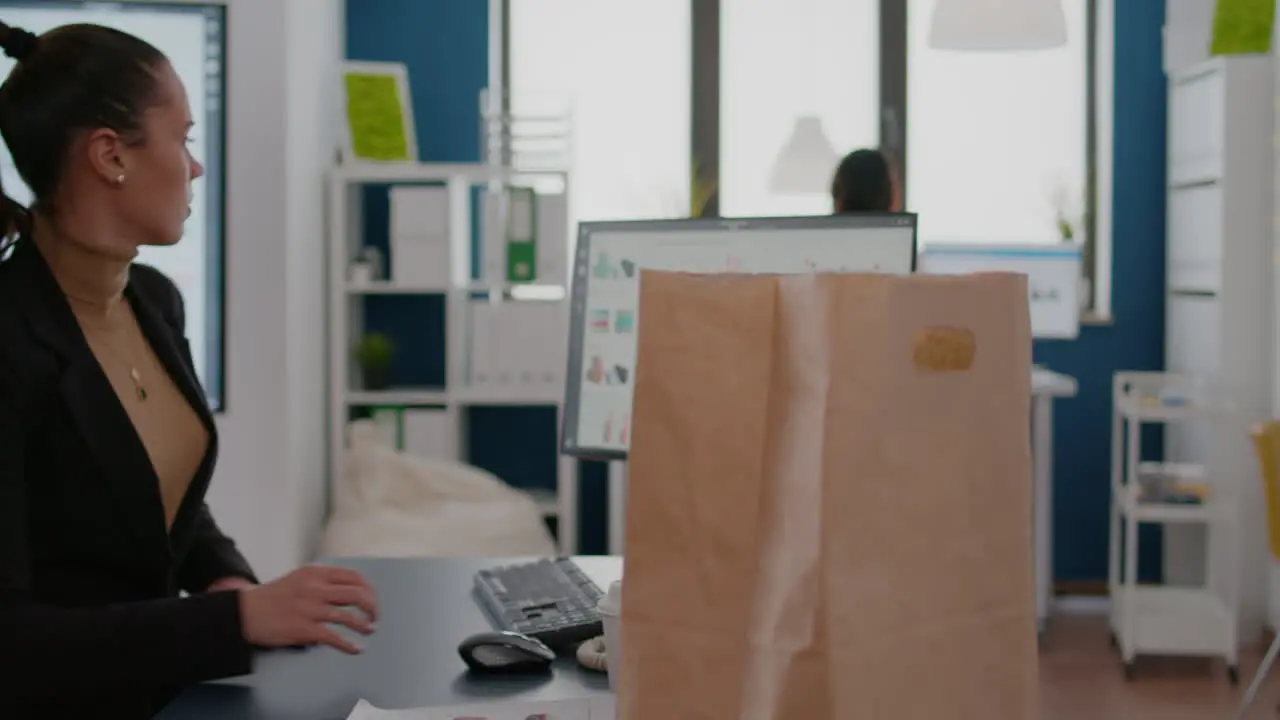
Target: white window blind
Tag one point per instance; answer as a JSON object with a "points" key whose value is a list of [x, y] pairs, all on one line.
{"points": [[784, 65], [623, 69]]}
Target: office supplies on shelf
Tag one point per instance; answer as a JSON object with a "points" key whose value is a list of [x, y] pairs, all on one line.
{"points": [[456, 291], [550, 600], [379, 113], [522, 237], [603, 317], [419, 235], [519, 344], [387, 423], [428, 433], [553, 238], [523, 225], [1172, 618]]}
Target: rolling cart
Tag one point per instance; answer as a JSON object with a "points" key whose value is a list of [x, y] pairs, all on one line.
{"points": [[1159, 619]]}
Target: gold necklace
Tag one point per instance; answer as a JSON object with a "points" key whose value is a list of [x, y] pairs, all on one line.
{"points": [[139, 388]]}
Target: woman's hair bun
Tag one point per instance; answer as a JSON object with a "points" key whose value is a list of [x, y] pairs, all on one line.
{"points": [[16, 42]]}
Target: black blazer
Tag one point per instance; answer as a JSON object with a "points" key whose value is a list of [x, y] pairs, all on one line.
{"points": [[91, 622]]}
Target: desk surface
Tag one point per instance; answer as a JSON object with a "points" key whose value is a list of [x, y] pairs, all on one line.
{"points": [[411, 661]]}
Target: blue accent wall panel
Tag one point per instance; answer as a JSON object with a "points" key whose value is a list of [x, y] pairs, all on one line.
{"points": [[445, 44], [1135, 341]]}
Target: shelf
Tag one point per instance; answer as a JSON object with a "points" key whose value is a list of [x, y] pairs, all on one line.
{"points": [[1155, 512], [471, 397], [528, 291], [479, 396], [463, 300], [398, 396], [388, 287], [1174, 620], [1181, 471], [391, 172], [1152, 410]]}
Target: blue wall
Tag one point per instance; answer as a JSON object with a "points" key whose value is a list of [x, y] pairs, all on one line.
{"points": [[1135, 341], [445, 47], [444, 43]]}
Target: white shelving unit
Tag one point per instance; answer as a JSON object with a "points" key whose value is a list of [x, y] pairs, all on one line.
{"points": [[1219, 297], [461, 295], [1164, 619]]}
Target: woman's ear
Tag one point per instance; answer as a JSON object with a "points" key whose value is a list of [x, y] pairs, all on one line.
{"points": [[105, 151]]}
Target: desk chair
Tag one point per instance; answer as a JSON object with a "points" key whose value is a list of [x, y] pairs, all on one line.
{"points": [[1266, 444]]}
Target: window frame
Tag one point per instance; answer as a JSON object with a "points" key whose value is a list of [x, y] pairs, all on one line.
{"points": [[705, 118]]}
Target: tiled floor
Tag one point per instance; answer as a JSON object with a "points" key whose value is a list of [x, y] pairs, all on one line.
{"points": [[1082, 679]]}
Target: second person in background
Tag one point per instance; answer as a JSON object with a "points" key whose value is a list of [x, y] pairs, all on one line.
{"points": [[865, 181]]}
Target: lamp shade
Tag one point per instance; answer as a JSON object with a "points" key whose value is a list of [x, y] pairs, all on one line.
{"points": [[806, 162], [995, 25]]}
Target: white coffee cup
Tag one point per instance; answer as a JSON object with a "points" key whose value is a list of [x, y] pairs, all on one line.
{"points": [[610, 609]]}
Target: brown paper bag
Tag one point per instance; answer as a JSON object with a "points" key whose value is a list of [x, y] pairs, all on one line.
{"points": [[829, 500]]}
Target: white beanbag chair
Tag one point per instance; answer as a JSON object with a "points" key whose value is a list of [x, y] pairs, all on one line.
{"points": [[389, 504]]}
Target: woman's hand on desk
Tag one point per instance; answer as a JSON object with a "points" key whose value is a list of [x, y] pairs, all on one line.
{"points": [[299, 608]]}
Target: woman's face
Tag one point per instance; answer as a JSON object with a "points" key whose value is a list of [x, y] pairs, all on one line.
{"points": [[155, 195]]}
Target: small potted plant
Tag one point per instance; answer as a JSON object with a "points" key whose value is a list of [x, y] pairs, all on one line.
{"points": [[373, 354]]}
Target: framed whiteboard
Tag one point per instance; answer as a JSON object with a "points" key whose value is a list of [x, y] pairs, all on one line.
{"points": [[377, 113], [1053, 278]]}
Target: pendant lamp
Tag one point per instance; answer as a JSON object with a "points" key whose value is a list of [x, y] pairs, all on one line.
{"points": [[997, 25], [806, 162]]}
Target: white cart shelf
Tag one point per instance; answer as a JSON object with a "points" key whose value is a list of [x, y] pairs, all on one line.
{"points": [[461, 293], [1156, 619]]}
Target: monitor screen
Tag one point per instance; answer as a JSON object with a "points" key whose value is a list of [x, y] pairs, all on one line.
{"points": [[192, 36], [604, 308]]}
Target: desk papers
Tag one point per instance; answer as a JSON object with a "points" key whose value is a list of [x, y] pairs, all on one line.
{"points": [[594, 709]]}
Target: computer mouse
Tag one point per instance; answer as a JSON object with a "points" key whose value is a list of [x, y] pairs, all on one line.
{"points": [[505, 652]]}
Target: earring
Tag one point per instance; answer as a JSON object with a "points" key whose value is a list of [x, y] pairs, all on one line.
{"points": [[120, 179]]}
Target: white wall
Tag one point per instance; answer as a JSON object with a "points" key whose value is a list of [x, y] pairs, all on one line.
{"points": [[268, 490], [316, 47]]}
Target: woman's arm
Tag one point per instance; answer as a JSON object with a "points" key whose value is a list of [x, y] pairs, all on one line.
{"points": [[47, 650], [213, 556]]}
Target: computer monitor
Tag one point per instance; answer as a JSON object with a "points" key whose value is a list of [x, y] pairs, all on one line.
{"points": [[192, 36], [606, 293]]}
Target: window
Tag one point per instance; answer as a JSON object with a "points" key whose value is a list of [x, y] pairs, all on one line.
{"points": [[798, 78], [623, 69], [997, 142], [997, 146], [191, 36]]}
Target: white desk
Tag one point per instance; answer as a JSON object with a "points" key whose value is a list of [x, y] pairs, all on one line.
{"points": [[1045, 387]]}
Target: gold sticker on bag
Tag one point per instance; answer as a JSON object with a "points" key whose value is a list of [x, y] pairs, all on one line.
{"points": [[944, 349]]}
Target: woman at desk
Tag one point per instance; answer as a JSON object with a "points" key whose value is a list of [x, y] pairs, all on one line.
{"points": [[106, 443], [865, 181]]}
